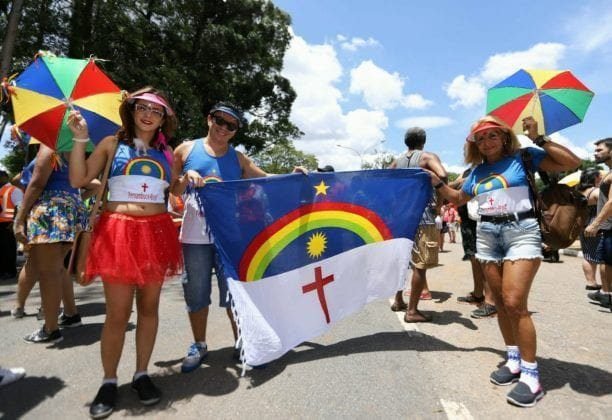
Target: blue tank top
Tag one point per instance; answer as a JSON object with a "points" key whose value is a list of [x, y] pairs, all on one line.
{"points": [[59, 179], [211, 168], [127, 161]]}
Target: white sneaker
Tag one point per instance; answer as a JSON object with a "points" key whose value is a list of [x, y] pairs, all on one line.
{"points": [[18, 313], [11, 375]]}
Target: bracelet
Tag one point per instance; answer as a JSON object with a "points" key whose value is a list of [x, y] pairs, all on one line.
{"points": [[74, 139], [541, 141], [439, 185]]}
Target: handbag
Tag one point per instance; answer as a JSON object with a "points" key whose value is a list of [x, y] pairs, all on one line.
{"points": [[561, 210], [82, 238]]}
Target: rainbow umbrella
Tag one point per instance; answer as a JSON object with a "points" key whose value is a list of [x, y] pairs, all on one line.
{"points": [[555, 98], [49, 88]]}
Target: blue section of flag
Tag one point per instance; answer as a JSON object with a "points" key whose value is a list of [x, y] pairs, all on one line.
{"points": [[237, 211]]}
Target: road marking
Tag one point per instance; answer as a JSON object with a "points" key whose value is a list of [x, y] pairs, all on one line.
{"points": [[400, 315], [455, 410]]}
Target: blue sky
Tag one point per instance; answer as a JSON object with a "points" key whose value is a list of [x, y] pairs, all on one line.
{"points": [[365, 71]]}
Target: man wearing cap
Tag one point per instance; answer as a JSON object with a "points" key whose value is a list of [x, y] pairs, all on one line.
{"points": [[326, 168], [10, 198], [203, 160], [425, 250]]}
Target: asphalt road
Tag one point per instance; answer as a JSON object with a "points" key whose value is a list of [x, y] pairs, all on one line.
{"points": [[369, 365]]}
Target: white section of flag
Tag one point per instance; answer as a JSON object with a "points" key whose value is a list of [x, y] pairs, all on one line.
{"points": [[275, 315]]}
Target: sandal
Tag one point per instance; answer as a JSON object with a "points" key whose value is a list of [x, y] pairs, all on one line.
{"points": [[418, 317], [471, 299], [399, 307]]}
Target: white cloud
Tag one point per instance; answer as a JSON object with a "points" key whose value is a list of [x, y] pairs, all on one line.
{"points": [[355, 43], [581, 152], [384, 94], [415, 101], [466, 92], [470, 91], [425, 122], [314, 71], [387, 92]]}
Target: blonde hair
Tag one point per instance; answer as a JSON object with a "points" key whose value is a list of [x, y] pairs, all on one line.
{"points": [[511, 143]]}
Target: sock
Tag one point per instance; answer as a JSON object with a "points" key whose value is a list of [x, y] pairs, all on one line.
{"points": [[203, 344], [530, 375], [514, 359], [138, 375], [109, 381]]}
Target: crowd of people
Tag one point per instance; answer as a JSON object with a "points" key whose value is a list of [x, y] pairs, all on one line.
{"points": [[137, 246]]}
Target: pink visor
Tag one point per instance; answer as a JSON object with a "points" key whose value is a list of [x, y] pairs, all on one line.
{"points": [[151, 97], [485, 125]]}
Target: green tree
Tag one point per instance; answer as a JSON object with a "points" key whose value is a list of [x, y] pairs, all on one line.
{"points": [[381, 161], [198, 52], [281, 158]]}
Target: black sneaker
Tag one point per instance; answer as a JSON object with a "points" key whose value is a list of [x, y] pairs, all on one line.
{"points": [[69, 321], [104, 403], [484, 311], [42, 336], [522, 396], [504, 376], [606, 301], [148, 393], [597, 296]]}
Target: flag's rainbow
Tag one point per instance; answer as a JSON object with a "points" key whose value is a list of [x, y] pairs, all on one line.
{"points": [[271, 241], [145, 166]]}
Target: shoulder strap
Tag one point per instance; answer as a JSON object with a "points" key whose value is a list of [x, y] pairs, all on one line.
{"points": [[101, 195], [538, 204]]}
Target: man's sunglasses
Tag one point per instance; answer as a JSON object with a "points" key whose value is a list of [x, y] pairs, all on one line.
{"points": [[230, 126]]}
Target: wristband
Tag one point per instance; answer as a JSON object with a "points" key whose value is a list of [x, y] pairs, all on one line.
{"points": [[74, 139], [439, 185], [540, 141]]}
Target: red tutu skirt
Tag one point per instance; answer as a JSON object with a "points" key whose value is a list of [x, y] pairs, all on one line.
{"points": [[135, 250]]}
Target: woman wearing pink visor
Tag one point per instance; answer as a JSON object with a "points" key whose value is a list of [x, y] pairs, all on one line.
{"points": [[135, 244], [508, 239]]}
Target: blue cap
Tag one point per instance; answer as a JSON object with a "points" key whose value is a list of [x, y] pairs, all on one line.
{"points": [[230, 110]]}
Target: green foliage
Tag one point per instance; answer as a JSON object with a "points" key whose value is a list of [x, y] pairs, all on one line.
{"points": [[14, 160], [381, 161], [199, 52], [281, 158]]}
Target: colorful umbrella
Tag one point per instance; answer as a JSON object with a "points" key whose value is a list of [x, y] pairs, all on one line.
{"points": [[556, 99], [46, 91]]}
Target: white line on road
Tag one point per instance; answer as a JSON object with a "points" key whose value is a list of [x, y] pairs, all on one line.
{"points": [[400, 316], [456, 411]]}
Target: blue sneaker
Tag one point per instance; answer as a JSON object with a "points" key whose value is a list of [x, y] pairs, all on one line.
{"points": [[522, 396], [195, 356]]}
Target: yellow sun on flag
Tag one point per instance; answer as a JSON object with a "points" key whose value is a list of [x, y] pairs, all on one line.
{"points": [[316, 245]]}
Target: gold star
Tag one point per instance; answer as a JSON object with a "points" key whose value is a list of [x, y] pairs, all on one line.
{"points": [[321, 188]]}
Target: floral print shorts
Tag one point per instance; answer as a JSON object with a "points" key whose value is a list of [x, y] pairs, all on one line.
{"points": [[55, 217]]}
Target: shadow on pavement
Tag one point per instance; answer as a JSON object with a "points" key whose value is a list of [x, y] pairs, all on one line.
{"points": [[84, 335], [440, 297], [92, 309], [379, 342], [581, 378], [14, 404]]}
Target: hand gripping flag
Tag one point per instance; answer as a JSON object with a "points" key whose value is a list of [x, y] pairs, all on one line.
{"points": [[304, 251]]}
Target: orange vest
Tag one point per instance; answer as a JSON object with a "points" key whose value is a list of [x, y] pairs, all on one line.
{"points": [[7, 210]]}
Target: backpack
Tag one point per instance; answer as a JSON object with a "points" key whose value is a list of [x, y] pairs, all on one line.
{"points": [[561, 210]]}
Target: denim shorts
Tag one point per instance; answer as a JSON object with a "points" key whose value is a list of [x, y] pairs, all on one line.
{"points": [[604, 247], [508, 241], [200, 259]]}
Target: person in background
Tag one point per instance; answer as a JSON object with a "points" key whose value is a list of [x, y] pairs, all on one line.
{"points": [[53, 212], [425, 250], [508, 237], [601, 225], [589, 187], [10, 198]]}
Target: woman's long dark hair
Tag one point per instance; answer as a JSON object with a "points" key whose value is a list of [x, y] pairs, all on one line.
{"points": [[588, 178]]}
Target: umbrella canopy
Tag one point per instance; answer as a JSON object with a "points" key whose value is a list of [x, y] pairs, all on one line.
{"points": [[46, 91], [554, 98], [573, 179]]}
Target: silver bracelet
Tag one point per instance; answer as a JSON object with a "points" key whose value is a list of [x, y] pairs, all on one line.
{"points": [[74, 139]]}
